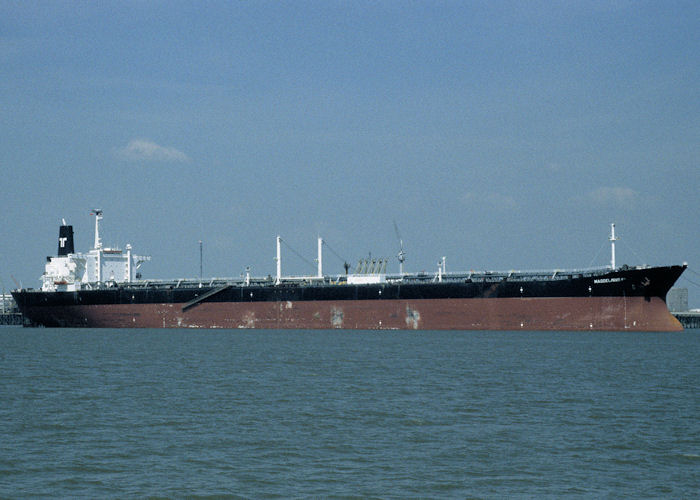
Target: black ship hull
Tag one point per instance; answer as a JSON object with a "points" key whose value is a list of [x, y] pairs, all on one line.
{"points": [[624, 299]]}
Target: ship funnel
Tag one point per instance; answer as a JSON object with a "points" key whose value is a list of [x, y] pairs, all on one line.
{"points": [[65, 240]]}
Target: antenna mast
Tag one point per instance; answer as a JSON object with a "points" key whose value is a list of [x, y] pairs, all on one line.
{"points": [[613, 239], [279, 261], [98, 217], [401, 255]]}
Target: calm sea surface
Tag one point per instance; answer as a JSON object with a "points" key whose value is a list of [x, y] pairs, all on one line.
{"points": [[264, 414]]}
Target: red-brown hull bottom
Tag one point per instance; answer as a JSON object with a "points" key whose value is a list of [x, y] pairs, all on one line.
{"points": [[589, 313]]}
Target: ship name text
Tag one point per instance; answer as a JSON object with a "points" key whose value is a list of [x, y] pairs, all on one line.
{"points": [[608, 280]]}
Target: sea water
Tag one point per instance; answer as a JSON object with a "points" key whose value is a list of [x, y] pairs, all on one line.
{"points": [[347, 414]]}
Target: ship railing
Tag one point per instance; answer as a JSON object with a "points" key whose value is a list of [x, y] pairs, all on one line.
{"points": [[513, 275], [335, 280], [247, 281]]}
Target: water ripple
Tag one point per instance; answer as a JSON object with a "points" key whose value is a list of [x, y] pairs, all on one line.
{"points": [[229, 414]]}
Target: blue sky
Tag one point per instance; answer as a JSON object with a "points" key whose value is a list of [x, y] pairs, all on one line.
{"points": [[502, 135]]}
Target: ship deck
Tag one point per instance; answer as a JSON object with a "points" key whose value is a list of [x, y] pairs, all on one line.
{"points": [[332, 280]]}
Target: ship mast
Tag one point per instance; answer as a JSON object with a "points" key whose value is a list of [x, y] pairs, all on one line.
{"points": [[320, 257], [401, 255], [98, 217], [613, 239], [279, 260]]}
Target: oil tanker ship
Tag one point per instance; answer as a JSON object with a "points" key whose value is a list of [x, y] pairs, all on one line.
{"points": [[103, 288]]}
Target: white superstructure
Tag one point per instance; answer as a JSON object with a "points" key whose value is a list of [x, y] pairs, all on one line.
{"points": [[76, 271]]}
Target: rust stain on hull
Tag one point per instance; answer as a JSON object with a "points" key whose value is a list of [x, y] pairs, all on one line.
{"points": [[587, 313]]}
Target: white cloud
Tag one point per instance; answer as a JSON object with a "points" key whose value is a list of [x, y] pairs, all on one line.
{"points": [[616, 196], [492, 200], [145, 150]]}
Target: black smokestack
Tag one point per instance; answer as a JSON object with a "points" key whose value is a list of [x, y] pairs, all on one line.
{"points": [[65, 240]]}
